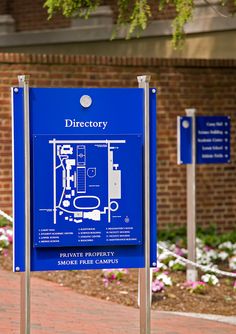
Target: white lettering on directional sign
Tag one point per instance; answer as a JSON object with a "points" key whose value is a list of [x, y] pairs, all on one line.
{"points": [[213, 139]]}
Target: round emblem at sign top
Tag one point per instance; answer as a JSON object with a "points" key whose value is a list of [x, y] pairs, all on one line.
{"points": [[185, 124], [85, 101]]}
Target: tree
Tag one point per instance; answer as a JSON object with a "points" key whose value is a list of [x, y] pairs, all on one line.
{"points": [[132, 14]]}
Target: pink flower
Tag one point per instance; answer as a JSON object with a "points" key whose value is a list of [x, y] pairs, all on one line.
{"points": [[193, 285], [111, 275], [157, 286], [106, 282], [178, 251], [207, 248], [5, 252], [197, 284], [10, 239]]}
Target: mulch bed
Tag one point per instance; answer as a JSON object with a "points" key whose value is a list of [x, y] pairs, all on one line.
{"points": [[217, 299]]}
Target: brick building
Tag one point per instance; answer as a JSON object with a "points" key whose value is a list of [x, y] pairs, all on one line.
{"points": [[54, 58], [208, 85], [24, 27]]}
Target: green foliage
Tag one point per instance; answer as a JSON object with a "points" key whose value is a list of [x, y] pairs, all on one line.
{"points": [[173, 235], [178, 267], [184, 9], [3, 222], [230, 236], [133, 15], [212, 238], [209, 236], [82, 8]]}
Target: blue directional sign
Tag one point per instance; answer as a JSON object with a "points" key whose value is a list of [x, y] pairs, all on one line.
{"points": [[184, 137], [212, 139], [86, 178]]}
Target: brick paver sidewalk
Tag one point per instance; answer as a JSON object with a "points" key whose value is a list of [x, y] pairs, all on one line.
{"points": [[59, 310]]}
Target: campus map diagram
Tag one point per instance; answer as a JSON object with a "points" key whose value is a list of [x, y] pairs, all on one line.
{"points": [[79, 185], [89, 191]]}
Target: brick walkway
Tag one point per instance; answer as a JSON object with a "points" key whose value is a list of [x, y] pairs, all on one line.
{"points": [[59, 310]]}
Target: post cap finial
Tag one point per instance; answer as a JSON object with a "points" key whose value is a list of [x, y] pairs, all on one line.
{"points": [[143, 78], [23, 79], [190, 111]]}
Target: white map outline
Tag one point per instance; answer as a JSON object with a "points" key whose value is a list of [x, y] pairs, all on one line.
{"points": [[114, 177]]}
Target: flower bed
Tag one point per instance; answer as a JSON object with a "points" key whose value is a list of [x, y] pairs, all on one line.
{"points": [[5, 238], [223, 255], [171, 292]]}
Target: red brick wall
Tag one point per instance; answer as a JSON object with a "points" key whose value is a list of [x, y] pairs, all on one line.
{"points": [[3, 7], [30, 15], [208, 86]]}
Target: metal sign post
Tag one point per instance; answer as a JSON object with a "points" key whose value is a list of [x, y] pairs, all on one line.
{"points": [[191, 202], [25, 276], [145, 313]]}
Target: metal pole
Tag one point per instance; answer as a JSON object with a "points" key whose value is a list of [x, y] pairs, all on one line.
{"points": [[144, 273], [25, 276], [191, 202]]}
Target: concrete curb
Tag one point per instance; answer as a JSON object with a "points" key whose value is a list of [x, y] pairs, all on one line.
{"points": [[214, 317]]}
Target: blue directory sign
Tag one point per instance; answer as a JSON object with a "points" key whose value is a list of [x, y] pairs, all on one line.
{"points": [[86, 178], [212, 139]]}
